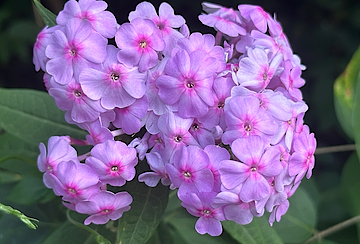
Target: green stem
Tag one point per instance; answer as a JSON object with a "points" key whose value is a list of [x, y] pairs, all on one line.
{"points": [[320, 235], [340, 148]]}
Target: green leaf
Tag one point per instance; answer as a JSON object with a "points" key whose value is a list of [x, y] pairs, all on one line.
{"points": [[297, 225], [356, 115], [258, 231], [351, 186], [344, 88], [48, 17], [8, 177], [28, 221], [33, 116], [28, 191], [13, 150], [148, 206], [68, 233]]}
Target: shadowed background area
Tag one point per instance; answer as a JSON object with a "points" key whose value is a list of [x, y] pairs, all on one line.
{"points": [[324, 33]]}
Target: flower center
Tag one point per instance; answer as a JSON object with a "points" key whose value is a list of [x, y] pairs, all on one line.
{"points": [[247, 126], [77, 93], [72, 191], [143, 44], [190, 83], [72, 51], [177, 138], [105, 211], [161, 25], [265, 76], [195, 126], [282, 157], [114, 77], [187, 174], [114, 168], [206, 212], [221, 104], [158, 140], [50, 169], [253, 168]]}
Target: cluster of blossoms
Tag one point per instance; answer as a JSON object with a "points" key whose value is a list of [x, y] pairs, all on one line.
{"points": [[222, 115]]}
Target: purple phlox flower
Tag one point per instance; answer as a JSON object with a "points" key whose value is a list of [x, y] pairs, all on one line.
{"points": [[242, 43], [188, 80], [50, 82], [276, 30], [217, 132], [104, 206], [157, 165], [105, 118], [257, 15], [302, 160], [275, 199], [165, 22], [59, 150], [206, 42], [130, 118], [210, 7], [114, 162], [175, 132], [201, 134], [287, 128], [97, 132], [215, 116], [151, 122], [283, 178], [274, 103], [199, 205], [43, 39], [299, 127], [75, 181], [230, 70], [188, 170], [291, 78], [141, 145], [157, 144], [256, 70], [234, 209], [295, 60], [216, 154], [225, 20], [93, 11], [47, 81], [76, 103], [73, 49], [115, 84], [274, 44], [152, 92], [280, 209], [184, 30], [139, 42], [228, 51], [257, 163], [244, 118]]}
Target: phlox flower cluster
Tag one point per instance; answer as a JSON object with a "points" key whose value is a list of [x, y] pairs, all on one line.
{"points": [[220, 118]]}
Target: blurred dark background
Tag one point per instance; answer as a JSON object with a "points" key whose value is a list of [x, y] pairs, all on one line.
{"points": [[324, 33]]}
